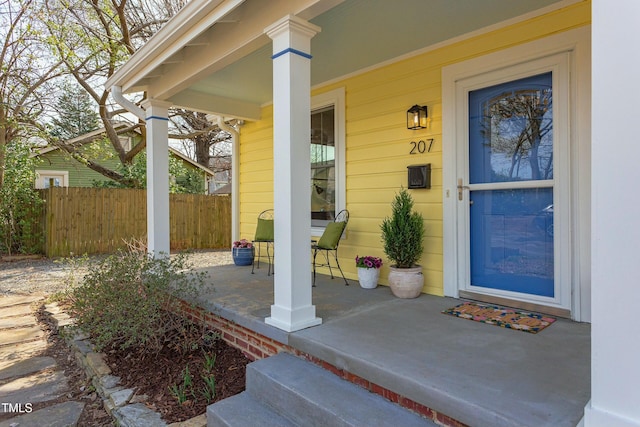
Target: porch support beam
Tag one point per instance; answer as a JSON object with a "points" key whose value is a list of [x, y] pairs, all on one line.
{"points": [[191, 99], [158, 231], [614, 217], [292, 309]]}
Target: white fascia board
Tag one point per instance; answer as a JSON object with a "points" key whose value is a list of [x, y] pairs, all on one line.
{"points": [[192, 20]]}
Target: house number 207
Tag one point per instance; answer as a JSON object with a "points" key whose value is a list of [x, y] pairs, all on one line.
{"points": [[421, 146]]}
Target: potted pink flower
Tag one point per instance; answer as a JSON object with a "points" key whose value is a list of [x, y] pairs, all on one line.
{"points": [[242, 252], [368, 271]]}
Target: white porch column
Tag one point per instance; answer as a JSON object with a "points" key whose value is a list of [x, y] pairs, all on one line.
{"points": [[292, 309], [615, 346], [158, 230]]}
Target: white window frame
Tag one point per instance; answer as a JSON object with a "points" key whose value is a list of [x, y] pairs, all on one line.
{"points": [[335, 98], [126, 142], [41, 174]]}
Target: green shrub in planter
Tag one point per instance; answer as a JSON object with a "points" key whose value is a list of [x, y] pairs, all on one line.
{"points": [[403, 232]]}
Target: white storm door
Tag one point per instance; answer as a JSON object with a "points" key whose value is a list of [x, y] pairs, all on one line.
{"points": [[513, 206]]}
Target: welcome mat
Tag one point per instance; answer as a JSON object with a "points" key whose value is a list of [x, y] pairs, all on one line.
{"points": [[504, 317]]}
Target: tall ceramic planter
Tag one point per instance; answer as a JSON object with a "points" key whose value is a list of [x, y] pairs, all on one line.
{"points": [[368, 277], [406, 282], [242, 256]]}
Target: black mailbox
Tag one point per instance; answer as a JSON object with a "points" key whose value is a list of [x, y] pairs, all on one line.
{"points": [[419, 176]]}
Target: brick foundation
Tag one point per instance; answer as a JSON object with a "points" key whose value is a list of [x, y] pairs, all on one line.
{"points": [[256, 346]]}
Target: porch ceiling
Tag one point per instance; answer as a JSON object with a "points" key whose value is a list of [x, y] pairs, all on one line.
{"points": [[214, 57]]}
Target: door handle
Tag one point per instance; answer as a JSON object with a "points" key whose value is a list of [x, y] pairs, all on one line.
{"points": [[461, 188]]}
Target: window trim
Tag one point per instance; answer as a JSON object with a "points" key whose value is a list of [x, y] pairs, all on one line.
{"points": [[126, 142], [336, 98], [41, 173]]}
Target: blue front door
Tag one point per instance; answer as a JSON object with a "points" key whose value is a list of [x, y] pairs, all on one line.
{"points": [[511, 208]]}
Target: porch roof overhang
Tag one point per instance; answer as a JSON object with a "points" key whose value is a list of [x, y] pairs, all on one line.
{"points": [[214, 57]]}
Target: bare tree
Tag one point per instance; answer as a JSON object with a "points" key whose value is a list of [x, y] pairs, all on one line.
{"points": [[25, 76], [206, 140], [93, 38]]}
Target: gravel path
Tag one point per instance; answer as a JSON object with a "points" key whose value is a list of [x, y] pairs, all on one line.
{"points": [[44, 276]]}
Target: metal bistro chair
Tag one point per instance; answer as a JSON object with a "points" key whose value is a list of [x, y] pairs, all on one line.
{"points": [[264, 234], [329, 242]]}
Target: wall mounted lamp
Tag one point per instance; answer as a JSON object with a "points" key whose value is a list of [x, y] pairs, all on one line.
{"points": [[417, 117]]}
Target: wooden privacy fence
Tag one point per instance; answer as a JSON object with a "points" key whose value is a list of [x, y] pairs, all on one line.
{"points": [[100, 220]]}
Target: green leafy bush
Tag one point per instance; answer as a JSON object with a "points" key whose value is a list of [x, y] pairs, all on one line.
{"points": [[20, 204], [130, 300]]}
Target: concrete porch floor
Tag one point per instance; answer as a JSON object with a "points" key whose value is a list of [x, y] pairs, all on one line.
{"points": [[478, 374]]}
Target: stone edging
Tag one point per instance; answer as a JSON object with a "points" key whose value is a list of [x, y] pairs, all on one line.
{"points": [[124, 406]]}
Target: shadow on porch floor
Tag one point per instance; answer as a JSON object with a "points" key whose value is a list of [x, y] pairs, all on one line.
{"points": [[478, 374]]}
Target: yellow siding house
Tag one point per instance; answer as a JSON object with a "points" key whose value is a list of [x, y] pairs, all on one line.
{"points": [[528, 203]]}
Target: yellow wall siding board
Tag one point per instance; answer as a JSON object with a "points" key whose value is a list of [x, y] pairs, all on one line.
{"points": [[257, 177], [394, 160], [434, 212], [371, 213], [395, 106], [424, 199], [406, 69], [256, 171], [368, 145], [257, 187], [362, 164], [256, 161], [434, 245], [259, 203], [368, 243], [378, 143], [362, 128], [260, 150], [258, 131], [257, 196], [382, 141], [399, 93], [395, 121], [366, 182], [249, 219]]}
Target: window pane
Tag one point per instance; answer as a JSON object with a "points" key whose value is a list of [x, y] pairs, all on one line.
{"points": [[512, 123], [49, 180], [512, 240], [323, 166]]}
